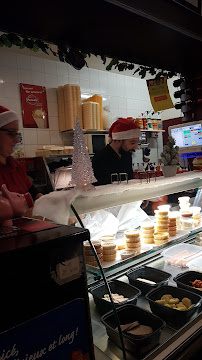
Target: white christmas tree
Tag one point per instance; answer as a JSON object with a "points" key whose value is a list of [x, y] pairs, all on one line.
{"points": [[82, 171]]}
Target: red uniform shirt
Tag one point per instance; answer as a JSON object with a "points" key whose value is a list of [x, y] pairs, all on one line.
{"points": [[14, 176]]}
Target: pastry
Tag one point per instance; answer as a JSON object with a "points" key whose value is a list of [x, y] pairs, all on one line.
{"points": [[161, 228], [149, 240], [107, 238], [109, 251], [137, 249], [125, 254], [107, 257], [161, 236], [160, 242], [132, 234], [148, 231]]}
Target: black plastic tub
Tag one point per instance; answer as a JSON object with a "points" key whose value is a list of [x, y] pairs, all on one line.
{"points": [[184, 280], [171, 316], [116, 287], [158, 276], [127, 314]]}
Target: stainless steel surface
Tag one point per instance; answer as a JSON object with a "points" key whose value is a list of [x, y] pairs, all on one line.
{"points": [[169, 340]]}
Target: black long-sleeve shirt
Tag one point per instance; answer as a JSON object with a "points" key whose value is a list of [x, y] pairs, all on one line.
{"points": [[107, 162]]}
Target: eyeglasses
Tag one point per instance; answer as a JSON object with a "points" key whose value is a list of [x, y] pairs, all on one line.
{"points": [[11, 133]]}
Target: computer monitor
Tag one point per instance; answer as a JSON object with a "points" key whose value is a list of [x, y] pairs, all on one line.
{"points": [[188, 136]]}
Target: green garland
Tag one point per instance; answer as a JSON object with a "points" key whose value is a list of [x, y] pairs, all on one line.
{"points": [[77, 58]]}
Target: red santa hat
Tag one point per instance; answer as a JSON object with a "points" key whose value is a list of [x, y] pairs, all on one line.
{"points": [[7, 116], [123, 129]]}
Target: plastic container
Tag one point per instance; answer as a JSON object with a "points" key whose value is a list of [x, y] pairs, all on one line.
{"points": [[187, 223], [196, 215], [171, 316], [127, 314], [183, 281], [181, 254], [116, 287], [195, 264], [145, 272]]}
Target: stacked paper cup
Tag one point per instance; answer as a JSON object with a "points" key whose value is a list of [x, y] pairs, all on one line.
{"points": [[61, 108], [91, 115], [73, 105]]}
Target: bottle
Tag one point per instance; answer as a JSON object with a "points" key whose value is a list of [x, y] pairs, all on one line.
{"points": [[155, 124], [145, 124]]}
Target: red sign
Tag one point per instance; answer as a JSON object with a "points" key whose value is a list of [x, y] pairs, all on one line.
{"points": [[34, 106]]}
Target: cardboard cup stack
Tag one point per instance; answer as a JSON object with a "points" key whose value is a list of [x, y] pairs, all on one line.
{"points": [[69, 106], [61, 108], [91, 115]]}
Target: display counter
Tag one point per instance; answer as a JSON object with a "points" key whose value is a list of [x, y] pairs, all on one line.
{"points": [[175, 341]]}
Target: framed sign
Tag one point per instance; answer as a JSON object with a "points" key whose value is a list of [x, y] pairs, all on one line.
{"points": [[159, 94], [34, 106]]}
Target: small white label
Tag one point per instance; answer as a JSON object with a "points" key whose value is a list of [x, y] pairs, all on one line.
{"points": [[68, 268]]}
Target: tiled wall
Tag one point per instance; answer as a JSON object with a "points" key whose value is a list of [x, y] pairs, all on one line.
{"points": [[126, 95]]}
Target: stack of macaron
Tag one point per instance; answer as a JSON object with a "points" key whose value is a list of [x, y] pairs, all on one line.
{"points": [[89, 255], [172, 224], [147, 232], [109, 251], [133, 240], [161, 221], [161, 238], [161, 234]]}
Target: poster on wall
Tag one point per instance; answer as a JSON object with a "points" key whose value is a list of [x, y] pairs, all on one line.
{"points": [[34, 106], [159, 94]]}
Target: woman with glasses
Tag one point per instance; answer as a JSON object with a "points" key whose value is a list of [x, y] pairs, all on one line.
{"points": [[12, 172]]}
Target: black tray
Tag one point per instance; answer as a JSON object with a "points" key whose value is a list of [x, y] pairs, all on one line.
{"points": [[118, 287], [172, 316], [146, 272], [183, 281], [127, 314]]}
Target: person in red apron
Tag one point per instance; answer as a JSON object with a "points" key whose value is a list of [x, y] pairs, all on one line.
{"points": [[12, 172]]}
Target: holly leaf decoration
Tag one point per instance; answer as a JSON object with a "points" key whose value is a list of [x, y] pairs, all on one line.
{"points": [[113, 62], [41, 45], [75, 58]]}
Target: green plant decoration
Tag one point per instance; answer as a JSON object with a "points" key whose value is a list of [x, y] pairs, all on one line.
{"points": [[170, 154], [77, 58]]}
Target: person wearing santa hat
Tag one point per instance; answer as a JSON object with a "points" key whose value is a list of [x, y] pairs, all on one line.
{"points": [[12, 172], [116, 156]]}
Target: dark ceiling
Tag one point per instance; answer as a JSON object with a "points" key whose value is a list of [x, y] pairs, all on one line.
{"points": [[157, 33]]}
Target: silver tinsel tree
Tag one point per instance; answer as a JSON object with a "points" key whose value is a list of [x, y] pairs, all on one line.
{"points": [[82, 171]]}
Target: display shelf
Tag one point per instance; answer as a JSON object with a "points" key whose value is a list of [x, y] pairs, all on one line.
{"points": [[175, 337], [108, 196]]}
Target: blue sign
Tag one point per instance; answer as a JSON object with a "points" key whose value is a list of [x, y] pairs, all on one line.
{"points": [[59, 334]]}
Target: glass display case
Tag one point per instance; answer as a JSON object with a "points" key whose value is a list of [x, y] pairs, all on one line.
{"points": [[176, 339]]}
